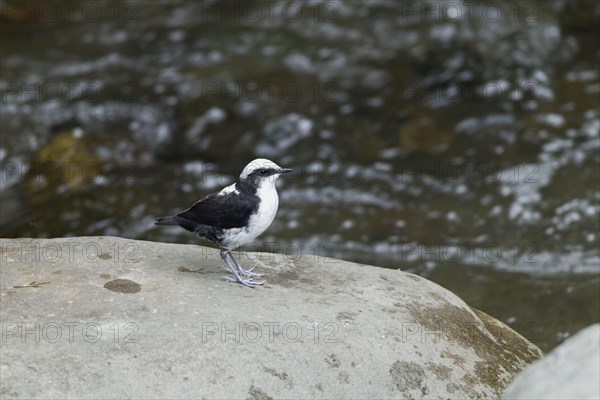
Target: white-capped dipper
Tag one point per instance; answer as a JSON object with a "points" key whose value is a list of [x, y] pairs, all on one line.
{"points": [[235, 215]]}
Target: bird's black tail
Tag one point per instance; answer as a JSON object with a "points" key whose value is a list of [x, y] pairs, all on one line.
{"points": [[165, 221], [177, 220]]}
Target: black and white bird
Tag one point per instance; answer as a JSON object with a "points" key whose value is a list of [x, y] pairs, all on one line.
{"points": [[235, 215]]}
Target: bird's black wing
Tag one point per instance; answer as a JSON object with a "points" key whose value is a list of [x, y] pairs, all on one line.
{"points": [[223, 211]]}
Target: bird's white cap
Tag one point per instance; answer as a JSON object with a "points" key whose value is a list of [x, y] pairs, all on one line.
{"points": [[258, 164]]}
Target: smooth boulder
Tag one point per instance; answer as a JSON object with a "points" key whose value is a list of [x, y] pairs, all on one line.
{"points": [[108, 317], [571, 371]]}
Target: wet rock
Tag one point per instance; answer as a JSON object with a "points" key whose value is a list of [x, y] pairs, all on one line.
{"points": [[321, 327], [570, 371]]}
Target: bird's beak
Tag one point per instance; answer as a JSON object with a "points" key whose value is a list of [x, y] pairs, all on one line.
{"points": [[285, 170]]}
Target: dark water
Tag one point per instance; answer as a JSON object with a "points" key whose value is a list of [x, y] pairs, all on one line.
{"points": [[456, 141]]}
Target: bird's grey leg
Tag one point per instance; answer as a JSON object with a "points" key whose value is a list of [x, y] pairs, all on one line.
{"points": [[233, 268], [236, 267], [244, 272]]}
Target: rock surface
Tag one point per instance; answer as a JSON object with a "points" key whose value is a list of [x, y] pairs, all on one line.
{"points": [[571, 371], [108, 317]]}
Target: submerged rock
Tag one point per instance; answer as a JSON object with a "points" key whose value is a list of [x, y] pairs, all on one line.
{"points": [[320, 327], [66, 161]]}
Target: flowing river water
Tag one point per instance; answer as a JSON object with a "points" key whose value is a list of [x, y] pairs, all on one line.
{"points": [[459, 141]]}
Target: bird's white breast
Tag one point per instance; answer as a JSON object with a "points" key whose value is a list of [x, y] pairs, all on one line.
{"points": [[269, 203], [259, 222]]}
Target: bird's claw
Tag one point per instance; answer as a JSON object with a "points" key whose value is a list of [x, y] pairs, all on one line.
{"points": [[251, 274], [247, 273], [246, 282]]}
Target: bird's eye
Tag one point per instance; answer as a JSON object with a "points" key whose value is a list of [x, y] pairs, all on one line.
{"points": [[263, 171]]}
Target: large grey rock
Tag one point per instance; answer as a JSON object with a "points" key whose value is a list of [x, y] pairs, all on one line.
{"points": [[105, 317], [571, 371]]}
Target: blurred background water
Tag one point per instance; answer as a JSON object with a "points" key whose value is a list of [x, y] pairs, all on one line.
{"points": [[456, 140]]}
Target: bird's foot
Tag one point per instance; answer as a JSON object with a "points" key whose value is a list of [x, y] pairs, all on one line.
{"points": [[247, 273], [250, 274], [246, 282], [236, 269]]}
